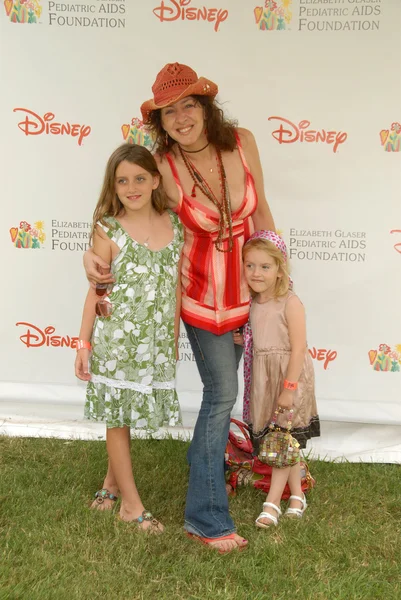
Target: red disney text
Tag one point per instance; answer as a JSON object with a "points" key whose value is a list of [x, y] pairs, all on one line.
{"points": [[34, 124], [177, 9], [35, 337], [322, 354], [397, 246], [290, 133]]}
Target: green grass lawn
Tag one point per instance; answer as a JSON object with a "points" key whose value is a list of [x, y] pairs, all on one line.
{"points": [[347, 547]]}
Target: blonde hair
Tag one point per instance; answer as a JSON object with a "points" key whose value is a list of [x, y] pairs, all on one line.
{"points": [[109, 204], [283, 282]]}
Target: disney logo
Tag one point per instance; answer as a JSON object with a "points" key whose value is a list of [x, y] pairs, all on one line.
{"points": [[35, 337], [397, 247], [290, 133], [178, 10], [321, 354], [34, 124]]}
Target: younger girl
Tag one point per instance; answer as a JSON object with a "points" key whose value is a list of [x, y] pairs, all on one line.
{"points": [[133, 338], [278, 367]]}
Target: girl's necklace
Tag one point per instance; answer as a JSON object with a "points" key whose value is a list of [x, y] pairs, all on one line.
{"points": [[146, 241], [223, 207]]}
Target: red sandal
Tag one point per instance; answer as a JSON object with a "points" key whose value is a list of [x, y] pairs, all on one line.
{"points": [[209, 541]]}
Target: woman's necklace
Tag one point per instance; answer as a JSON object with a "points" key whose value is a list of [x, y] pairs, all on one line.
{"points": [[223, 207], [196, 151]]}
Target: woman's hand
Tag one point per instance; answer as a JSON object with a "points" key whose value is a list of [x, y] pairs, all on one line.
{"points": [[94, 267], [238, 337], [82, 365]]}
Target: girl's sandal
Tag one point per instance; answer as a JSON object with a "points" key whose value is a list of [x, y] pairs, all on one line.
{"points": [[102, 495], [210, 542], [296, 512], [154, 526], [266, 515]]}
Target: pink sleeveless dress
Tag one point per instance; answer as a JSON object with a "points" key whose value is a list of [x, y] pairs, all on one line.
{"points": [[271, 355]]}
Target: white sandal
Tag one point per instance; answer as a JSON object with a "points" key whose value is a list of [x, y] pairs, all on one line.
{"points": [[297, 512], [265, 515]]}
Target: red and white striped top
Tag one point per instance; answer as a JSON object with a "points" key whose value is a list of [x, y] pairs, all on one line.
{"points": [[215, 295]]}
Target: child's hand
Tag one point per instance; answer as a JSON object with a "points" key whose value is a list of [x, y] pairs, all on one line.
{"points": [[238, 337], [286, 399], [81, 365]]}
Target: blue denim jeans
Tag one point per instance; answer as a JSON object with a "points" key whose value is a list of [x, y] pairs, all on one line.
{"points": [[217, 358]]}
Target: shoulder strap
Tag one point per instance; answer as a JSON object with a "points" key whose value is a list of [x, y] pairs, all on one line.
{"points": [[241, 152], [109, 227], [174, 171]]}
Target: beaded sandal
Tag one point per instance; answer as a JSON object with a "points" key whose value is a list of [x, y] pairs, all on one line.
{"points": [[145, 516], [104, 494]]}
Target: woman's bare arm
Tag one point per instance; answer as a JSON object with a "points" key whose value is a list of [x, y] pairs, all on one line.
{"points": [[262, 217]]}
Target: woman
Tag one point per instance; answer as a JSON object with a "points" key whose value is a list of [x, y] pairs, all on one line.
{"points": [[213, 178]]}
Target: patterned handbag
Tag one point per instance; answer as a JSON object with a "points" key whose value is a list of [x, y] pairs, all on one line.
{"points": [[243, 468], [279, 448]]}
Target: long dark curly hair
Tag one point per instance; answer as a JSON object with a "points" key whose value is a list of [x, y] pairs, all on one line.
{"points": [[220, 130]]}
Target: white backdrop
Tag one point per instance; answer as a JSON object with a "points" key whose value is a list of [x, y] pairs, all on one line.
{"points": [[319, 84]]}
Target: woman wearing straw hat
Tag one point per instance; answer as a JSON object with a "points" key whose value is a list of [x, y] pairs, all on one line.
{"points": [[213, 177]]}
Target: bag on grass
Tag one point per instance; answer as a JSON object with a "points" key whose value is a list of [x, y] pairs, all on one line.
{"points": [[244, 468]]}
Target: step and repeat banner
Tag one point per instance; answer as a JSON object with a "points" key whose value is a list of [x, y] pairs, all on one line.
{"points": [[317, 82]]}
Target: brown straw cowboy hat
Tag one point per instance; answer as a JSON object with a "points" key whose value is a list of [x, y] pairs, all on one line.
{"points": [[174, 82]]}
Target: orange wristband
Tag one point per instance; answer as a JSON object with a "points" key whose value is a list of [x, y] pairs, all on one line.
{"points": [[290, 385], [83, 344]]}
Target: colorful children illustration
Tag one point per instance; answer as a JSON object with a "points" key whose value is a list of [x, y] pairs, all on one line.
{"points": [[386, 359], [274, 15], [136, 133], [26, 236], [23, 11], [391, 139]]}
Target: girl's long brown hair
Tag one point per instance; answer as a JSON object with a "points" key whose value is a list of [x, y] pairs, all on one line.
{"points": [[108, 204], [220, 130]]}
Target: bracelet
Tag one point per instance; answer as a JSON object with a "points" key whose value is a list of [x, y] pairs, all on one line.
{"points": [[290, 385], [83, 344]]}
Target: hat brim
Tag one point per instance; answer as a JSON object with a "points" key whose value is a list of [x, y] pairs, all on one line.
{"points": [[202, 87]]}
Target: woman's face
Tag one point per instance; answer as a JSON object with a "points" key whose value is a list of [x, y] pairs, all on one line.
{"points": [[184, 121]]}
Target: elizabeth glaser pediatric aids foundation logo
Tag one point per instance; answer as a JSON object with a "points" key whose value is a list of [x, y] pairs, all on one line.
{"points": [[385, 358], [391, 138], [26, 236], [136, 133], [23, 11], [275, 15]]}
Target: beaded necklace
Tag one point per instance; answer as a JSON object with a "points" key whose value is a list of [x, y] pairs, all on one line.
{"points": [[223, 207]]}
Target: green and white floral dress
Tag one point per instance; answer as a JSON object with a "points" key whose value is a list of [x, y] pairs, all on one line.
{"points": [[133, 360]]}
